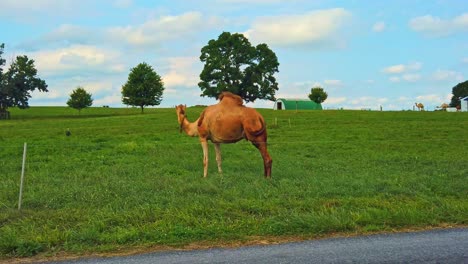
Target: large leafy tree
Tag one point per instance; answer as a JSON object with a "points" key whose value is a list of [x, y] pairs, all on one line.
{"points": [[144, 87], [459, 91], [17, 83], [79, 99], [318, 95], [233, 64]]}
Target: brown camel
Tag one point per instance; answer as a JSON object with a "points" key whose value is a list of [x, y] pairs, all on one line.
{"points": [[420, 106], [228, 121]]}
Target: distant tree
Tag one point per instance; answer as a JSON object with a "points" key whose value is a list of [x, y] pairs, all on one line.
{"points": [[80, 99], [3, 111], [2, 61], [318, 95], [17, 83], [233, 64], [144, 87], [459, 91]]}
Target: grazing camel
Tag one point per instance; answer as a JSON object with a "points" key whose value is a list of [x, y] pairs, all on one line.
{"points": [[444, 106], [420, 106], [227, 122]]}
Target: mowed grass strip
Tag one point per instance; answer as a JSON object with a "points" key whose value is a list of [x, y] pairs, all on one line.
{"points": [[124, 180]]}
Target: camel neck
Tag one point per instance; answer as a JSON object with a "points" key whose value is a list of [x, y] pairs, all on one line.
{"points": [[190, 128]]}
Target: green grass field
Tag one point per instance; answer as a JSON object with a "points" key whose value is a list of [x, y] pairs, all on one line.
{"points": [[124, 180]]}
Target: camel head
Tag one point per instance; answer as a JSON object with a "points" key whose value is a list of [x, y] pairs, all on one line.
{"points": [[181, 115]]}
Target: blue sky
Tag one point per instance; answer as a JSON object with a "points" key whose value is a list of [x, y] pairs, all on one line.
{"points": [[365, 54]]}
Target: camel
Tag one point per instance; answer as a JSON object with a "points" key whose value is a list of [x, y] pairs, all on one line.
{"points": [[420, 106], [228, 121], [444, 106]]}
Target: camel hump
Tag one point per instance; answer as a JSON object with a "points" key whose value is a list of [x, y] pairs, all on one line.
{"points": [[231, 98]]}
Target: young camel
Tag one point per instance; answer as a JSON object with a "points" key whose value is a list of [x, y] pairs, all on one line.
{"points": [[420, 106], [227, 122]]}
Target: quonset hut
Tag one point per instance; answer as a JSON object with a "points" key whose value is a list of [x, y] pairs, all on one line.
{"points": [[296, 104]]}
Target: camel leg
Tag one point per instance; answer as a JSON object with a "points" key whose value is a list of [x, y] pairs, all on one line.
{"points": [[204, 144], [267, 161], [218, 156]]}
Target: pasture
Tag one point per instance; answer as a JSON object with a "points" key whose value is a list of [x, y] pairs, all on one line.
{"points": [[124, 180]]}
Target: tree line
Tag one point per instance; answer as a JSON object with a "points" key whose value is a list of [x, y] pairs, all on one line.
{"points": [[231, 64]]}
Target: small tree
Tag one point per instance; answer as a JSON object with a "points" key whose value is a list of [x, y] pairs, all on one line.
{"points": [[80, 99], [17, 83], [459, 91], [318, 95], [143, 87]]}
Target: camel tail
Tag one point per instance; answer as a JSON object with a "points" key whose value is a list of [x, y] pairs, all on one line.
{"points": [[200, 119]]}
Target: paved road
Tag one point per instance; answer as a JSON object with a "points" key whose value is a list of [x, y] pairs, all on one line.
{"points": [[437, 246]]}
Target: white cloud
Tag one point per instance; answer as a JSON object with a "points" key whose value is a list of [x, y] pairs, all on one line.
{"points": [[378, 26], [465, 60], [410, 77], [293, 94], [316, 28], [250, 2], [401, 68], [115, 99], [76, 57], [333, 82], [183, 71], [335, 100], [51, 94], [403, 72], [446, 75], [367, 102], [153, 32], [437, 27], [316, 84], [97, 87], [157, 31], [123, 3], [431, 99], [72, 34], [395, 69]]}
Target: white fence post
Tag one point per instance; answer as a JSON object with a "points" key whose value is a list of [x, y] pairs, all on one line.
{"points": [[22, 176]]}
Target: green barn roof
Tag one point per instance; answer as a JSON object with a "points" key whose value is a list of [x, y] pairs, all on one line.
{"points": [[299, 104]]}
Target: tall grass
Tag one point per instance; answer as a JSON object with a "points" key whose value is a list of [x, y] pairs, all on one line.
{"points": [[123, 179]]}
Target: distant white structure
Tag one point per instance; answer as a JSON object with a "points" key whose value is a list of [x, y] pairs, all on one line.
{"points": [[464, 104], [451, 109]]}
